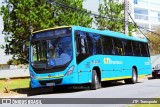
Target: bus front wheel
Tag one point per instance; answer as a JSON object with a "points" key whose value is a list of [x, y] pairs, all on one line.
{"points": [[95, 81], [134, 78]]}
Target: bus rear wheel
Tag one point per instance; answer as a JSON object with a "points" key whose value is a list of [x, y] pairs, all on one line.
{"points": [[134, 78], [95, 81]]}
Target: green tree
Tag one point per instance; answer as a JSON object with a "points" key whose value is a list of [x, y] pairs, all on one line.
{"points": [[155, 41], [71, 12], [20, 15], [111, 17]]}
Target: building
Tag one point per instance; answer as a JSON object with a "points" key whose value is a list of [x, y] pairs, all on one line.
{"points": [[146, 13], [3, 41]]}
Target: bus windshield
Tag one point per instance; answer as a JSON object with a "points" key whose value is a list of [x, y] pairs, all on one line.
{"points": [[50, 53]]}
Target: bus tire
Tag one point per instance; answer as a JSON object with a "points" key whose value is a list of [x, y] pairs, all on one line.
{"points": [[95, 81], [134, 78]]}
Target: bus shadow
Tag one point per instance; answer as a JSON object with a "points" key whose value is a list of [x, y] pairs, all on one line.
{"points": [[106, 84], [48, 90], [32, 92], [112, 83], [62, 90]]}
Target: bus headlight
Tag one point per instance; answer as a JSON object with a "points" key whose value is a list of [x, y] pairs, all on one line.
{"points": [[70, 71]]}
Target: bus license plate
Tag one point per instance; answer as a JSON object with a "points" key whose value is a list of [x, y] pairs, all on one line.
{"points": [[50, 84]]}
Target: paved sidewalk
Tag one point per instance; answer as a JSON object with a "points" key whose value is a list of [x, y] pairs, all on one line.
{"points": [[13, 73]]}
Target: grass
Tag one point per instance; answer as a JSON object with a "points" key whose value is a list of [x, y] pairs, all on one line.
{"points": [[14, 84], [145, 105], [20, 87]]}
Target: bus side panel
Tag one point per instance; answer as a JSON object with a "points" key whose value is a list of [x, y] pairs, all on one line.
{"points": [[123, 65], [113, 67], [84, 72], [85, 69]]}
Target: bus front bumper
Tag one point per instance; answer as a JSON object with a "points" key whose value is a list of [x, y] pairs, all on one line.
{"points": [[47, 82]]}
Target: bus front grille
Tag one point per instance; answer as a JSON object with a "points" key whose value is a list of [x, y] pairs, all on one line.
{"points": [[44, 82]]}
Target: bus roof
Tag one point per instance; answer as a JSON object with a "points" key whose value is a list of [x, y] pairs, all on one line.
{"points": [[57, 27], [102, 32], [109, 33]]}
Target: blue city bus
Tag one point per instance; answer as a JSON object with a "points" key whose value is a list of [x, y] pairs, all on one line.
{"points": [[71, 55]]}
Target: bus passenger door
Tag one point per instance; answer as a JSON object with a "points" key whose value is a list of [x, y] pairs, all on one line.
{"points": [[81, 55]]}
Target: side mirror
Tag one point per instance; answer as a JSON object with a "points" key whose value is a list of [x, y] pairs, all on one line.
{"points": [[25, 49]]}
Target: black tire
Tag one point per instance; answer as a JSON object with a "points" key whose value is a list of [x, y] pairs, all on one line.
{"points": [[134, 78], [96, 83]]}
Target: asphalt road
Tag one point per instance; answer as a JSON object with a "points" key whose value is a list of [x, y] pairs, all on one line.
{"points": [[143, 89]]}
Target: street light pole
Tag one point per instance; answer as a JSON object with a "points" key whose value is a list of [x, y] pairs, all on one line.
{"points": [[126, 17]]}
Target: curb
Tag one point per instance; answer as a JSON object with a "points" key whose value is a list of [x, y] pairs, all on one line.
{"points": [[15, 96], [24, 77], [141, 79]]}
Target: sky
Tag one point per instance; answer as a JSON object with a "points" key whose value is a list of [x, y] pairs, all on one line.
{"points": [[91, 5]]}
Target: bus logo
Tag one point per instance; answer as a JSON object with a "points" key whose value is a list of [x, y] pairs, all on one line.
{"points": [[109, 61], [49, 75], [106, 60]]}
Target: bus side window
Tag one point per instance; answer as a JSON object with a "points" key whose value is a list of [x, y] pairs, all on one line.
{"points": [[128, 47], [97, 42], [136, 48], [81, 42], [81, 45], [147, 48], [107, 45], [90, 43], [118, 47], [144, 49], [77, 44], [95, 39]]}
